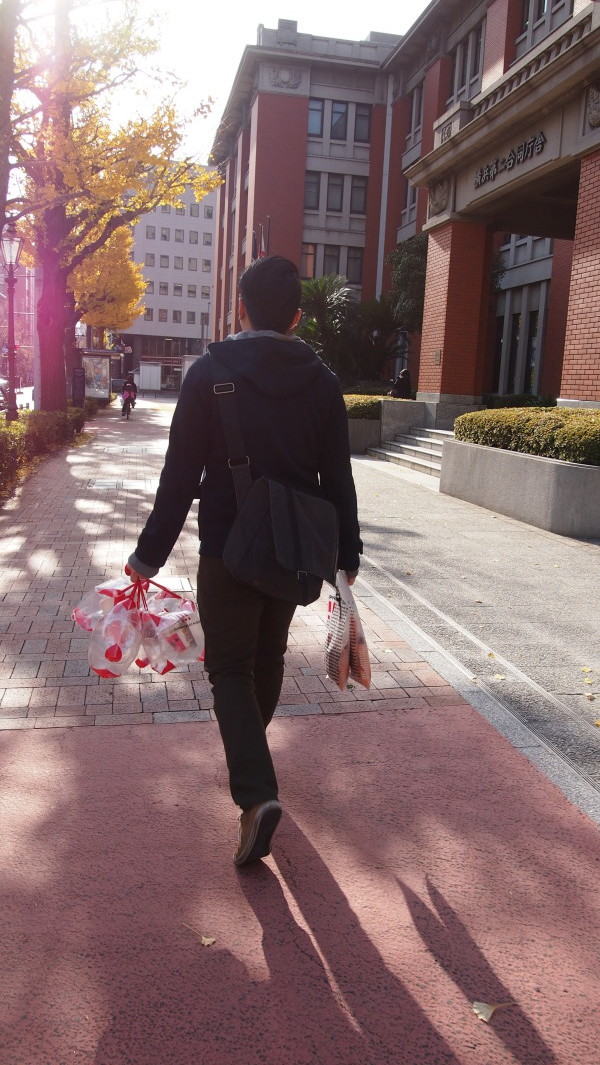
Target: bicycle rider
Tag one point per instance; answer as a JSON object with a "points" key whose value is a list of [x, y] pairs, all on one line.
{"points": [[129, 395]]}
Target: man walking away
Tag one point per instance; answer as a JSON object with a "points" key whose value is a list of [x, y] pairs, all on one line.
{"points": [[295, 429]]}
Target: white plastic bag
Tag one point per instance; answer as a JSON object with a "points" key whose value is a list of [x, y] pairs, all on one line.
{"points": [[96, 603], [172, 638], [115, 640], [346, 652], [162, 630]]}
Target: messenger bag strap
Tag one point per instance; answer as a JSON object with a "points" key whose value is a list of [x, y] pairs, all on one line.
{"points": [[238, 460]]}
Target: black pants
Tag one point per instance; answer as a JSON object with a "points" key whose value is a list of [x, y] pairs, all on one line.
{"points": [[246, 636]]}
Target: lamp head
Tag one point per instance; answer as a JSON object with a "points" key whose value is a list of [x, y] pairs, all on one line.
{"points": [[11, 244]]}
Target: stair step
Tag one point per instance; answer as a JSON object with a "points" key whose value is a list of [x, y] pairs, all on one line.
{"points": [[408, 445], [385, 453], [436, 434]]}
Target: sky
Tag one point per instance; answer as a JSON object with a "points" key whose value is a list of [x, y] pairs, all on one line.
{"points": [[204, 44]]}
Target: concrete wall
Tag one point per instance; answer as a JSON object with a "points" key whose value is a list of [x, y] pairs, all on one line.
{"points": [[363, 433], [562, 497]]}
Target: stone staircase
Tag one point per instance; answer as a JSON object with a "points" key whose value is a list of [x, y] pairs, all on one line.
{"points": [[417, 449]]}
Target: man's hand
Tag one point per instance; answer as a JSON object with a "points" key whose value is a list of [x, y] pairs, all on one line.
{"points": [[135, 576], [350, 577]]}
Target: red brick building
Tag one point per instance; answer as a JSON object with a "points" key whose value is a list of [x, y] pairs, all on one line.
{"points": [[481, 127]]}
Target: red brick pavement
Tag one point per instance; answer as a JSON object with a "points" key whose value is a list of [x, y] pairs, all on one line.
{"points": [[73, 524]]}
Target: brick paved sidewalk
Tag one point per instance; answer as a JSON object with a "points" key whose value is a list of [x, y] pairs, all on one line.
{"points": [[72, 525]]}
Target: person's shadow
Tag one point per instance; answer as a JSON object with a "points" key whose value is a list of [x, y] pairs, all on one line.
{"points": [[333, 982], [455, 950]]}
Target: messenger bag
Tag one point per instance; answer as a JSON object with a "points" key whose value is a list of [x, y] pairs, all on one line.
{"points": [[283, 541]]}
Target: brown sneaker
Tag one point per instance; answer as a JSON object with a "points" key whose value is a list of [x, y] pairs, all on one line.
{"points": [[257, 826]]}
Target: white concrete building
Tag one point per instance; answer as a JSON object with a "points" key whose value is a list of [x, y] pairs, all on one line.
{"points": [[176, 246]]}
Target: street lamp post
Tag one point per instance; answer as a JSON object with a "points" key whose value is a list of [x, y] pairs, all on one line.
{"points": [[11, 245]]}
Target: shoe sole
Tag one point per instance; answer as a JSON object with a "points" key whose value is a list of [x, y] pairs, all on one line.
{"points": [[258, 844]]}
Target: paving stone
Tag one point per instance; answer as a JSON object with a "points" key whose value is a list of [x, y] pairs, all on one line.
{"points": [[180, 716]]}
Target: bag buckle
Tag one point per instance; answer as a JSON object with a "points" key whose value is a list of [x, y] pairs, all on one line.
{"points": [[223, 388]]}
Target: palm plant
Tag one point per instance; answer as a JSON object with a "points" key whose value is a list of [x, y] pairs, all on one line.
{"points": [[325, 304]]}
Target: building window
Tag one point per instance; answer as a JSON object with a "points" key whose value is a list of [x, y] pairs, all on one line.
{"points": [[179, 236], [180, 210], [149, 258], [150, 232], [150, 288], [538, 19], [354, 265], [315, 118], [335, 192], [176, 317], [164, 262], [148, 314], [178, 289], [195, 210], [339, 120], [206, 239], [358, 195], [331, 259], [190, 317], [208, 211], [162, 315], [192, 264], [206, 266], [312, 189], [163, 288], [204, 318], [191, 291], [205, 292], [166, 208], [466, 66], [165, 233], [416, 113], [362, 123], [178, 262], [308, 261]]}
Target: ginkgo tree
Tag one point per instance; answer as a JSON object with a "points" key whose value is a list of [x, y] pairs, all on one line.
{"points": [[85, 176], [108, 286]]}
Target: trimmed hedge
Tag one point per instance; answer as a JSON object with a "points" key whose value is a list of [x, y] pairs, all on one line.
{"points": [[364, 407], [34, 434], [568, 433], [525, 400]]}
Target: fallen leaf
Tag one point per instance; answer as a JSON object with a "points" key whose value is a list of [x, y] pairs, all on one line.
{"points": [[207, 941], [586, 669], [587, 681], [479, 600], [491, 654], [589, 696], [597, 723], [486, 1010], [499, 676]]}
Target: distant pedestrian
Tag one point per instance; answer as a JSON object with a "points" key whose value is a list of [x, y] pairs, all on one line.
{"points": [[401, 387], [129, 395], [295, 429]]}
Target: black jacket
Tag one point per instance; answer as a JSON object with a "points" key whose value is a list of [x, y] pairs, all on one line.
{"points": [[295, 429]]}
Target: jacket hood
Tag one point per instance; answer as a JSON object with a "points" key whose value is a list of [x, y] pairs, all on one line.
{"points": [[275, 366]]}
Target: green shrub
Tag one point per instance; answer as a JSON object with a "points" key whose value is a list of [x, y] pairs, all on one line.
{"points": [[369, 388], [493, 402], [568, 433], [35, 433], [365, 407]]}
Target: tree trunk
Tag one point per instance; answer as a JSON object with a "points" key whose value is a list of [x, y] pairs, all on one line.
{"points": [[53, 231], [51, 323], [9, 11]]}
